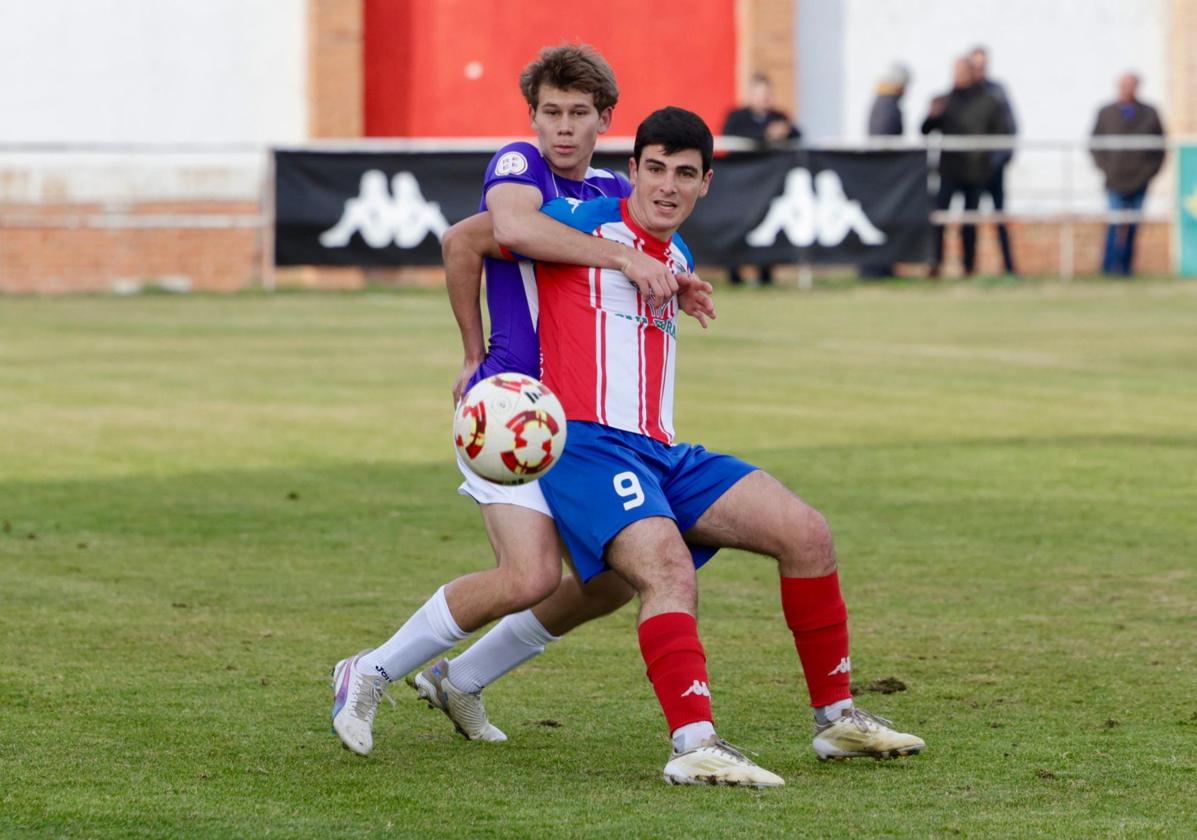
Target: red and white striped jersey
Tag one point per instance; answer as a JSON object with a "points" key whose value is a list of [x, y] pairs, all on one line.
{"points": [[606, 353]]}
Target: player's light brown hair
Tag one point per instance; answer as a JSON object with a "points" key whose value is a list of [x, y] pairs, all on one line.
{"points": [[571, 67]]}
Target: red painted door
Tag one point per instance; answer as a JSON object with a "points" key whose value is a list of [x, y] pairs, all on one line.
{"points": [[450, 68]]}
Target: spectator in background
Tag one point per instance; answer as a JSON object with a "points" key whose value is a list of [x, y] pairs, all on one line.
{"points": [[758, 120], [1127, 171], [885, 120], [968, 109], [885, 117], [999, 158]]}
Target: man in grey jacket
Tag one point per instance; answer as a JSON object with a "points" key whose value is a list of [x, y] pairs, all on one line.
{"points": [[1127, 171]]}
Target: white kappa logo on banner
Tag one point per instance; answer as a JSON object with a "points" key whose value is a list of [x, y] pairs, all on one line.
{"points": [[811, 211], [400, 215], [512, 163]]}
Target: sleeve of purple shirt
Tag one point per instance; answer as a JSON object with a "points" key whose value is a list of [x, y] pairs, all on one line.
{"points": [[516, 163]]}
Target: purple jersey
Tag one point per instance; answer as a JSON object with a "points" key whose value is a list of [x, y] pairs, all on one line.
{"points": [[511, 286]]}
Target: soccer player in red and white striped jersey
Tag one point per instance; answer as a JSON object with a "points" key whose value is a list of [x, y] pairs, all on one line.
{"points": [[610, 353], [627, 497]]}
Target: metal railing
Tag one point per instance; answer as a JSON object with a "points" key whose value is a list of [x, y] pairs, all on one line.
{"points": [[252, 181], [1066, 205]]}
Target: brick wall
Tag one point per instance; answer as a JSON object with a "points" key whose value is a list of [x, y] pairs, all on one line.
{"points": [[765, 34], [1180, 113], [54, 258], [336, 86], [1037, 249]]}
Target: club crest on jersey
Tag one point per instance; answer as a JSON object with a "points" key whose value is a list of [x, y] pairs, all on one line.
{"points": [[512, 163]]}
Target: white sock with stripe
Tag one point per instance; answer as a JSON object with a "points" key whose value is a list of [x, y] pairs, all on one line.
{"points": [[832, 713], [692, 735], [428, 633], [510, 643]]}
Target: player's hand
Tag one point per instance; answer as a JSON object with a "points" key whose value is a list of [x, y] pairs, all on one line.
{"points": [[468, 369], [694, 298], [653, 280], [777, 130]]}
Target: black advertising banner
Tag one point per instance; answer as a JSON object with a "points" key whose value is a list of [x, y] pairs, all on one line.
{"points": [[811, 206], [371, 209], [389, 209]]}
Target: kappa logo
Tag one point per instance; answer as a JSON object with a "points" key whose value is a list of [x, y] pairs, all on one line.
{"points": [[512, 163], [400, 215], [844, 667], [814, 210], [1190, 203], [699, 688]]}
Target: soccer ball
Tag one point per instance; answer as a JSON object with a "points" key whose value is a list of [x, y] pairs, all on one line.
{"points": [[509, 429]]}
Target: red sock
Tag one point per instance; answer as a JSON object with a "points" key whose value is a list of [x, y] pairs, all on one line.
{"points": [[677, 667], [815, 612]]}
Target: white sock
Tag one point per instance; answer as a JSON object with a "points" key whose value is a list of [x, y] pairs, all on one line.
{"points": [[827, 714], [510, 643], [429, 632], [691, 735]]}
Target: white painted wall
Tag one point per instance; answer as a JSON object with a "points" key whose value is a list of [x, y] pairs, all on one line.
{"points": [[1059, 61], [153, 71]]}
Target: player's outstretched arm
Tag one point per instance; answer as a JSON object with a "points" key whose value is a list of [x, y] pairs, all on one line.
{"points": [[521, 228], [463, 247]]}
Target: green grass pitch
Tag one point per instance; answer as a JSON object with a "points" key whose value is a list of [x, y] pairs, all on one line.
{"points": [[207, 501]]}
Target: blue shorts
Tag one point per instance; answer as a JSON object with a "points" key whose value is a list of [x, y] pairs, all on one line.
{"points": [[608, 478]]}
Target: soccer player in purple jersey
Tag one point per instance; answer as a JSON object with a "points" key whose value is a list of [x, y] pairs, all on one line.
{"points": [[571, 92]]}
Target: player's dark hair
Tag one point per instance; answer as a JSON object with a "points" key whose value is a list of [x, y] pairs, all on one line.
{"points": [[677, 130], [571, 67]]}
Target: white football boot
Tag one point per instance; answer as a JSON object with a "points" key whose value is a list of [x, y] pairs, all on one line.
{"points": [[355, 700], [858, 734], [463, 708], [716, 762]]}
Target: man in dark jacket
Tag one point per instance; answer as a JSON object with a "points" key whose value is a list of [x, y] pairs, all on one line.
{"points": [[999, 158], [968, 109], [758, 120], [1127, 171]]}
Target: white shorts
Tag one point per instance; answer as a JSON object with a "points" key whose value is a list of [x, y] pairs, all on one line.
{"points": [[488, 493]]}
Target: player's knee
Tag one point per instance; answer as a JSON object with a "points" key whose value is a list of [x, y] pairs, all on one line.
{"points": [[673, 580], [528, 587], [810, 551], [534, 589], [607, 593]]}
